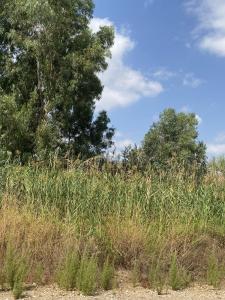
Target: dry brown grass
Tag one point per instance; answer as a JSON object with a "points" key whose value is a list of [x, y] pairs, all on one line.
{"points": [[129, 239], [43, 240]]}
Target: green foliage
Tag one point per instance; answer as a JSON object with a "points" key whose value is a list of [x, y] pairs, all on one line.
{"points": [[68, 271], [157, 279], [107, 276], [49, 61], [18, 289], [178, 277], [15, 270], [79, 194], [87, 275], [83, 274], [173, 140], [134, 158], [214, 273], [217, 166]]}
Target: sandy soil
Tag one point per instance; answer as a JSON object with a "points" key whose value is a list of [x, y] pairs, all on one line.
{"points": [[53, 293]]}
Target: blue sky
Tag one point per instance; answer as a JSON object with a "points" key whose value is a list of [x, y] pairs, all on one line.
{"points": [[167, 53]]}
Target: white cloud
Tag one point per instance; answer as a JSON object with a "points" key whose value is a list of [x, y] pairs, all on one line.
{"points": [[191, 81], [121, 144], [187, 79], [216, 149], [185, 109], [123, 85], [163, 74], [210, 31], [199, 119]]}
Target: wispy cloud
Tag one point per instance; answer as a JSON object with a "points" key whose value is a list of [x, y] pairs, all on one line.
{"points": [[123, 85], [217, 147], [163, 74], [210, 31], [190, 80], [186, 79], [121, 141]]}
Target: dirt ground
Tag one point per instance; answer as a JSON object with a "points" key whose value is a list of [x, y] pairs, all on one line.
{"points": [[53, 293]]}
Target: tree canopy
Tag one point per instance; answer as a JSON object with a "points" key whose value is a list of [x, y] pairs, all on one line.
{"points": [[49, 65], [174, 138]]}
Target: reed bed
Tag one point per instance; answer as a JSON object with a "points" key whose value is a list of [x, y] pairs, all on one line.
{"points": [[78, 226]]}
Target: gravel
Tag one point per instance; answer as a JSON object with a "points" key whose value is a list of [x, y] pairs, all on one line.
{"points": [[128, 293]]}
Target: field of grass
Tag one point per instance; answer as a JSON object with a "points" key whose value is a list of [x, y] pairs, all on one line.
{"points": [[78, 226]]}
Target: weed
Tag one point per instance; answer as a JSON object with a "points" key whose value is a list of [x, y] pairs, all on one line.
{"points": [[87, 275], [18, 289], [157, 279], [107, 276], [15, 270], [213, 272], [178, 277], [68, 271]]}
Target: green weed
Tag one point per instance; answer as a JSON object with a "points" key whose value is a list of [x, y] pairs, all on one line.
{"points": [[15, 270], [107, 276], [87, 277], [214, 273], [68, 272], [178, 277]]}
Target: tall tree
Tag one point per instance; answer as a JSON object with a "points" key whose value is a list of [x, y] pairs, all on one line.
{"points": [[174, 139], [49, 62]]}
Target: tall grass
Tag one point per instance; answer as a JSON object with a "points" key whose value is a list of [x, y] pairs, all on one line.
{"points": [[122, 218]]}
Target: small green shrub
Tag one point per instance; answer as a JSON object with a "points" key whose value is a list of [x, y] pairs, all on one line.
{"points": [[15, 270], [87, 275], [107, 276], [178, 277], [214, 274], [18, 289], [67, 273], [157, 278]]}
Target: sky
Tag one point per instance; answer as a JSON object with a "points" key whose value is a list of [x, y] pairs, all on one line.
{"points": [[167, 53]]}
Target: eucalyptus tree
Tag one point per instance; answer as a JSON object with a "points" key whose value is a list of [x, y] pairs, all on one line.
{"points": [[49, 84]]}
